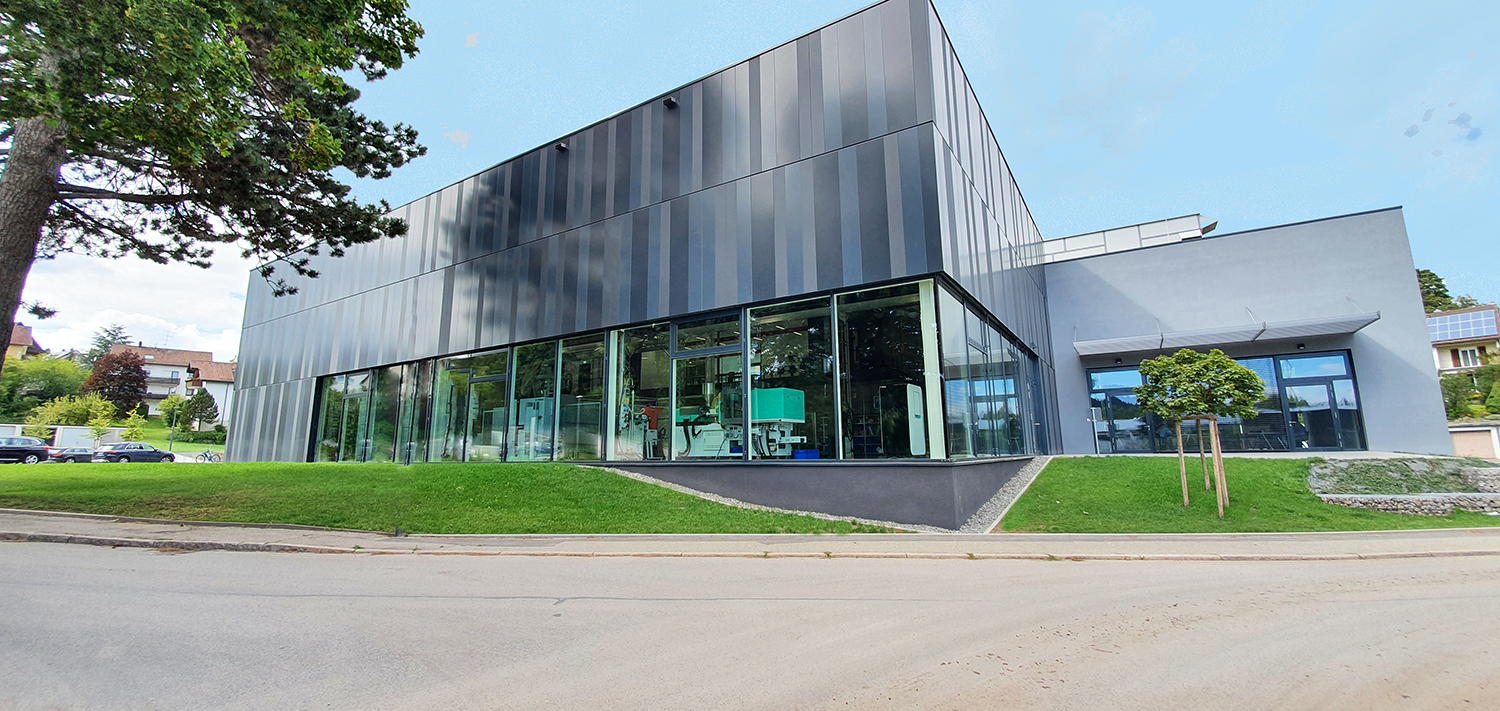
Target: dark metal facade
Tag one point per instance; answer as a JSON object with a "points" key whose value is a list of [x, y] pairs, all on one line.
{"points": [[853, 155]]}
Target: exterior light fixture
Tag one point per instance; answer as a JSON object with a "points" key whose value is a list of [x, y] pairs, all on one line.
{"points": [[1119, 361], [669, 102], [1301, 346], [560, 146]]}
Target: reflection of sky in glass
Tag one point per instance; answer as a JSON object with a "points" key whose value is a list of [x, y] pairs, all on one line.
{"points": [[1475, 324], [1111, 379], [1315, 367]]}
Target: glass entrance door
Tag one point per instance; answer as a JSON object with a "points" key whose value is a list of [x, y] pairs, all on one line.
{"points": [[1314, 425], [354, 444], [487, 418]]}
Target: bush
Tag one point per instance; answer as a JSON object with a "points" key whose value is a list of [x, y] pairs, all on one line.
{"points": [[201, 437], [71, 410], [1458, 388], [1492, 403]]}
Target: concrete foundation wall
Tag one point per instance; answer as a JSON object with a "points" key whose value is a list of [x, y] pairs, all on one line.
{"points": [[942, 494]]}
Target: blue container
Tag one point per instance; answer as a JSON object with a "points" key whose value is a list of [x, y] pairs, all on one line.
{"points": [[805, 454]]}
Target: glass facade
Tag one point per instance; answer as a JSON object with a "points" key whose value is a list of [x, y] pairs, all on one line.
{"points": [[1310, 402], [991, 386], [856, 375]]}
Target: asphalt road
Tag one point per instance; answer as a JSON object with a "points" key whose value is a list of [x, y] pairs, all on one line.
{"points": [[90, 627]]}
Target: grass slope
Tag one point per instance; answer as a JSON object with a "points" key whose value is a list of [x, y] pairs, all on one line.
{"points": [[1144, 495], [424, 498]]}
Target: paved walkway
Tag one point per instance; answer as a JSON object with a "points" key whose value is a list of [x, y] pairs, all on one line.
{"points": [[90, 529]]}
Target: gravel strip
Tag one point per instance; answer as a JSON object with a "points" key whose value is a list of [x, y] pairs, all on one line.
{"points": [[988, 516], [757, 507]]}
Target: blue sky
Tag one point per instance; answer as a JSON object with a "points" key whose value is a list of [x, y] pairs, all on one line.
{"points": [[1109, 113]]}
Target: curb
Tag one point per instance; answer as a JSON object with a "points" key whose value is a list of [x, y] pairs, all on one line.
{"points": [[22, 537]]}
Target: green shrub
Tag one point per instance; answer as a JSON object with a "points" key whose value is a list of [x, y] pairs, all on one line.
{"points": [[210, 437], [1492, 403]]}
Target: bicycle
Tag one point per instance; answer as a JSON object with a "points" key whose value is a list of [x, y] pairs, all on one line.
{"points": [[208, 455]]}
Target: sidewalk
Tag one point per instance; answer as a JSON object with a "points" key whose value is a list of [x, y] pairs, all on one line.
{"points": [[111, 531]]}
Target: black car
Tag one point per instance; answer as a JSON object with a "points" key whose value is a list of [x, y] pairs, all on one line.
{"points": [[131, 452], [69, 455], [26, 450]]}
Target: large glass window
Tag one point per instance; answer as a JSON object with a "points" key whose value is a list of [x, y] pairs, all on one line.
{"points": [[1309, 403], [710, 411], [882, 373], [580, 395], [468, 408], [791, 381], [642, 403], [411, 428], [330, 419], [385, 405], [532, 416]]}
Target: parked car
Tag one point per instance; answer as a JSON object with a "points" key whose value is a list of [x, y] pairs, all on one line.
{"points": [[69, 455], [26, 450], [124, 452]]}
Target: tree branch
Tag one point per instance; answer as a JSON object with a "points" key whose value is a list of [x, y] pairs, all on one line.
{"points": [[82, 192]]}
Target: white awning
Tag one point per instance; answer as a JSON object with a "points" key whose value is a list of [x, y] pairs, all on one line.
{"points": [[1229, 335]]}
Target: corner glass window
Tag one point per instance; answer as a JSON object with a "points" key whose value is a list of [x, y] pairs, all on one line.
{"points": [[791, 382], [958, 423], [882, 372], [709, 333], [1314, 367]]}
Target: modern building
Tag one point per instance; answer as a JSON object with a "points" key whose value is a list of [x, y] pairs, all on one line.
{"points": [[1464, 339], [23, 344], [806, 280]]}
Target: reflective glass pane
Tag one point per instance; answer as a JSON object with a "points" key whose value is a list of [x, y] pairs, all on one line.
{"points": [[487, 417], [330, 419], [453, 415], [383, 420], [533, 411], [958, 423], [1015, 431], [1111, 379], [581, 396], [644, 380], [709, 416], [1312, 425], [1351, 425], [1313, 367], [882, 373], [1130, 424], [791, 381], [709, 333], [1099, 415]]}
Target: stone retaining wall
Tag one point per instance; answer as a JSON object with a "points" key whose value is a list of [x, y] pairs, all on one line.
{"points": [[1486, 479], [1419, 504]]}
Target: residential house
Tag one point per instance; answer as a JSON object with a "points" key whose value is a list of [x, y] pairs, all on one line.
{"points": [[22, 344], [1463, 339], [166, 371], [218, 379]]}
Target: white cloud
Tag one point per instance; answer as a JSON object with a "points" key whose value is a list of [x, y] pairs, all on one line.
{"points": [[172, 306]]}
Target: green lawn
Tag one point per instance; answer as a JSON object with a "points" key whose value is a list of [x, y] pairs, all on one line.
{"points": [[1144, 495], [424, 498]]}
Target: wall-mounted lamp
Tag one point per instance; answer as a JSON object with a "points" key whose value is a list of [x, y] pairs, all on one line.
{"points": [[1301, 346], [561, 146], [1119, 361], [669, 102]]}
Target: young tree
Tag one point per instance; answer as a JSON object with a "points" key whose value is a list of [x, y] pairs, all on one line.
{"points": [[201, 408], [101, 417], [119, 378], [69, 410], [1492, 403], [1188, 383], [164, 128], [28, 383], [135, 426], [103, 339], [170, 408]]}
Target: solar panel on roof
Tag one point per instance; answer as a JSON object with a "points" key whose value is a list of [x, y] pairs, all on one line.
{"points": [[1473, 324]]}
